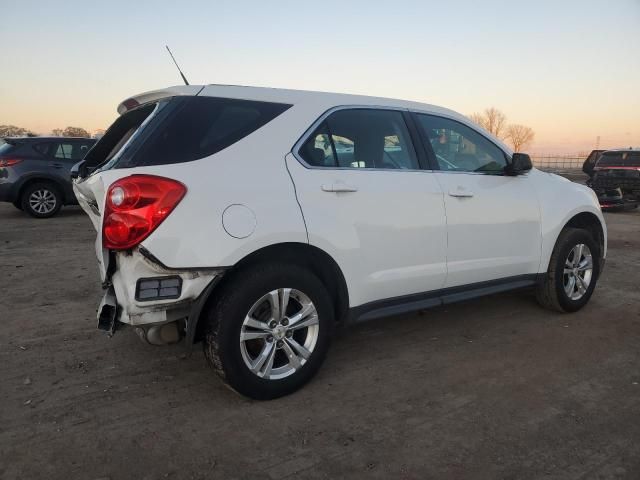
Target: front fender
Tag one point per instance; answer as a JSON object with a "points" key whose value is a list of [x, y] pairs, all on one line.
{"points": [[560, 201]]}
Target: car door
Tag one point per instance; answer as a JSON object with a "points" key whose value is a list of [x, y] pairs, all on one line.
{"points": [[493, 219], [368, 203]]}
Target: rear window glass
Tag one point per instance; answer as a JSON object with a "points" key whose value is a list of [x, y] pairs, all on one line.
{"points": [[201, 126], [5, 148], [42, 148], [619, 159], [15, 148]]}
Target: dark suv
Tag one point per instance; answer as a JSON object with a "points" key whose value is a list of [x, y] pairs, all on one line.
{"points": [[35, 172], [616, 178]]}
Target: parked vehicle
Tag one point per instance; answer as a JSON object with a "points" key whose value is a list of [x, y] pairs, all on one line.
{"points": [[257, 219], [616, 179], [590, 162], [35, 172]]}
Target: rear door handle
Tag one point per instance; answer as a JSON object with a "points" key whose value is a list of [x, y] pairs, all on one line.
{"points": [[339, 187], [461, 193]]}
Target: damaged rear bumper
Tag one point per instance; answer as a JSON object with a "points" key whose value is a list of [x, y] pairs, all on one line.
{"points": [[142, 293]]}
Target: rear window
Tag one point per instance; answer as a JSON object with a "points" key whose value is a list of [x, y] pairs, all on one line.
{"points": [[103, 154], [17, 148], [619, 159], [5, 148], [197, 127]]}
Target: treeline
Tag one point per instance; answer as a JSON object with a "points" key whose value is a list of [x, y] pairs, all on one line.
{"points": [[14, 131]]}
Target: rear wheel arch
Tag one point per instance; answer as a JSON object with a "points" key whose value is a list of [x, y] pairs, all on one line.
{"points": [[301, 254], [42, 179]]}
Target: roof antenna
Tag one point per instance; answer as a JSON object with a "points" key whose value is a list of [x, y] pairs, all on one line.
{"points": [[177, 66]]}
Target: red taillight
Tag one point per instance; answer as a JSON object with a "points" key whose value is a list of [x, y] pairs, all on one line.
{"points": [[135, 206], [9, 162]]}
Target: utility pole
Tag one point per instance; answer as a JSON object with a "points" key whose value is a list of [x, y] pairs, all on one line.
{"points": [[598, 142]]}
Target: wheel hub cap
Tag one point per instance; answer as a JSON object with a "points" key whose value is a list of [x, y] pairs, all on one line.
{"points": [[42, 201], [578, 271], [279, 333]]}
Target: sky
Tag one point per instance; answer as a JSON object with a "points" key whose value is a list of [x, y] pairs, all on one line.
{"points": [[570, 69]]}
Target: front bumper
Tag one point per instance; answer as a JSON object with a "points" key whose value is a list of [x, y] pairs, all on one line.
{"points": [[122, 303]]}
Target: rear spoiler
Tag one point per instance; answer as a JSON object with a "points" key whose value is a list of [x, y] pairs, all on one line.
{"points": [[155, 95]]}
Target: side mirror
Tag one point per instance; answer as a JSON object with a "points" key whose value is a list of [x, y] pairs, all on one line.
{"points": [[520, 163]]}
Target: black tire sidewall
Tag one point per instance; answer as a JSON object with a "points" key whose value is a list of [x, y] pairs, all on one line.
{"points": [[243, 291], [26, 207], [573, 238]]}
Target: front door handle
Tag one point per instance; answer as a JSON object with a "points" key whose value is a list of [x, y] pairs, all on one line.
{"points": [[461, 193], [339, 187], [56, 165]]}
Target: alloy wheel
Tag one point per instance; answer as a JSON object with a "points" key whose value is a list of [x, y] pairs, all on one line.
{"points": [[279, 333], [578, 271], [42, 201]]}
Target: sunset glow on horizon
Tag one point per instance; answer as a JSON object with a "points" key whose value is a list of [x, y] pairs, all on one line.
{"points": [[570, 70]]}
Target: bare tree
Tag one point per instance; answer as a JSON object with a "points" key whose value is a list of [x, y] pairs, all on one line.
{"points": [[57, 132], [75, 132], [13, 131], [492, 120], [520, 136], [477, 118]]}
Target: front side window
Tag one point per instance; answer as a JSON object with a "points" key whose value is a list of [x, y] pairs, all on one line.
{"points": [[459, 148], [361, 138]]}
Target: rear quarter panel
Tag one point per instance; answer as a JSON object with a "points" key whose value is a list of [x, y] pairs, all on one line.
{"points": [[251, 173]]}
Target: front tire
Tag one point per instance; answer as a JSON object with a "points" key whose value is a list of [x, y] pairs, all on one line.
{"points": [[41, 200], [573, 272], [269, 330]]}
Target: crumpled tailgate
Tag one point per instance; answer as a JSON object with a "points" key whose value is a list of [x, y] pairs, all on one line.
{"points": [[90, 193]]}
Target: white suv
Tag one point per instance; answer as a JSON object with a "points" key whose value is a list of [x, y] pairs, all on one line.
{"points": [[256, 220]]}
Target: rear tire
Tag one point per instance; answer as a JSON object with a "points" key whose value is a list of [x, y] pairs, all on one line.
{"points": [[41, 200], [573, 272], [257, 351]]}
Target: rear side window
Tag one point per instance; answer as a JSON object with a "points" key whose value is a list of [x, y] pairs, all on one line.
{"points": [[197, 127], [64, 150], [71, 150], [361, 138], [43, 148]]}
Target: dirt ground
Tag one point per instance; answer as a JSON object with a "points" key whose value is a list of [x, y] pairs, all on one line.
{"points": [[494, 388]]}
